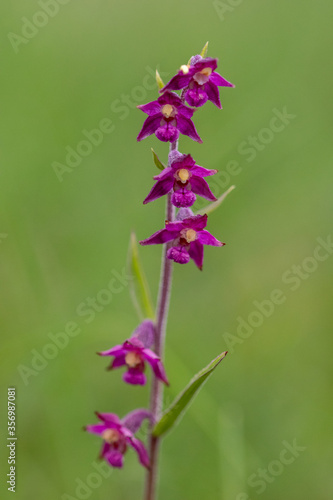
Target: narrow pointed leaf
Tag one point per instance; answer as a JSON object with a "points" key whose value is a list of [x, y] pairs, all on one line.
{"points": [[139, 287], [157, 161], [203, 53], [159, 81], [213, 206], [182, 402]]}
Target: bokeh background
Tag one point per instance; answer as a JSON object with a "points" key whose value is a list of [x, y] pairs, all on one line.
{"points": [[63, 240]]}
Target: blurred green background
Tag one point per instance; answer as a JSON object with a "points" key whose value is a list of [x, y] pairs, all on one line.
{"points": [[61, 242]]}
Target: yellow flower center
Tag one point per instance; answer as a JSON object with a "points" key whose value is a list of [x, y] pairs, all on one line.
{"points": [[190, 235], [111, 436], [168, 110], [185, 69], [132, 359], [183, 175]]}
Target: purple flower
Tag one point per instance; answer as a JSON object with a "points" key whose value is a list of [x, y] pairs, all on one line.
{"points": [[188, 237], [118, 434], [201, 81], [167, 117], [134, 353], [185, 178]]}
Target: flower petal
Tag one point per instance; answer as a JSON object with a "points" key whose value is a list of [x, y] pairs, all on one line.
{"points": [[208, 239], [200, 187], [134, 419], [105, 449], [114, 351], [197, 222], [201, 171], [141, 451], [156, 364], [95, 429], [206, 62], [169, 98], [117, 362], [213, 94], [167, 172], [150, 125], [109, 418], [115, 458], [185, 111], [151, 108], [217, 79], [186, 127], [197, 253], [178, 82], [161, 188], [160, 237]]}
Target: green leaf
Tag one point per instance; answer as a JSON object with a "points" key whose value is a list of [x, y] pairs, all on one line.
{"points": [[139, 287], [182, 402], [157, 161], [159, 81], [213, 206], [204, 51]]}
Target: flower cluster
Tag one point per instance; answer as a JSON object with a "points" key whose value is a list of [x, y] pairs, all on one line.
{"points": [[183, 178], [133, 354], [184, 235]]}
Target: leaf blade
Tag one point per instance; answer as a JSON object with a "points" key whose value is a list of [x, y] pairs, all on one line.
{"points": [[157, 161], [213, 206], [172, 415]]}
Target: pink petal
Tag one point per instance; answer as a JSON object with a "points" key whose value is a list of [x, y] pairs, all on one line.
{"points": [[161, 188], [149, 127], [96, 429], [219, 80], [114, 351], [178, 82], [141, 451], [117, 362], [197, 222], [213, 94], [160, 237], [156, 365], [151, 108], [208, 239], [201, 171], [200, 187], [109, 418], [196, 253], [186, 127]]}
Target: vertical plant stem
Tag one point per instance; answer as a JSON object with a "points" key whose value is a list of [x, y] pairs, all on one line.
{"points": [[156, 401]]}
